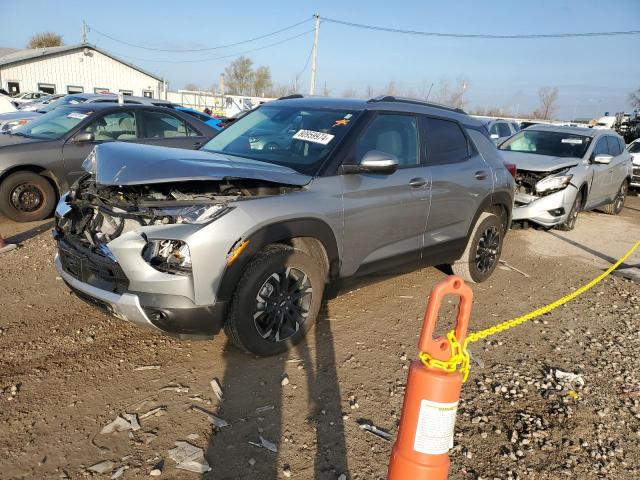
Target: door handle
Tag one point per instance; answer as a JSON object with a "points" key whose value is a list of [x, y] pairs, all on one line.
{"points": [[417, 182], [480, 174]]}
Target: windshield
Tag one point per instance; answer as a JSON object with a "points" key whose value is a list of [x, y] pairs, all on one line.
{"points": [[554, 144], [634, 147], [66, 100], [52, 125], [296, 138]]}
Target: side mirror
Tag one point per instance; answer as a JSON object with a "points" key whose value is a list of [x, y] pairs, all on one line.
{"points": [[603, 158], [83, 137], [374, 161]]}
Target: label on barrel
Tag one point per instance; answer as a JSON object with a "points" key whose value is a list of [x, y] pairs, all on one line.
{"points": [[434, 432]]}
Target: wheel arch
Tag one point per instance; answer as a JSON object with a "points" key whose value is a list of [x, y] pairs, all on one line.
{"points": [[311, 235], [500, 203], [48, 174]]}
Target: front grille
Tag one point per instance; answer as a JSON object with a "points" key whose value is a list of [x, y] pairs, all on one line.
{"points": [[91, 267]]}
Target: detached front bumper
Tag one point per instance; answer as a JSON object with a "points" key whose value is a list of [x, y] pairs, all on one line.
{"points": [[171, 314], [548, 211]]}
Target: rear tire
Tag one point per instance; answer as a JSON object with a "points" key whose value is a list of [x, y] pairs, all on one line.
{"points": [[276, 302], [570, 223], [482, 253], [27, 197], [615, 207]]}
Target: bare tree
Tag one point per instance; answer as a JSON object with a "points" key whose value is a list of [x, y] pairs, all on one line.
{"points": [[634, 98], [239, 76], [349, 93], [261, 81], [391, 89], [45, 39], [441, 92], [548, 97], [447, 94], [192, 87], [369, 93]]}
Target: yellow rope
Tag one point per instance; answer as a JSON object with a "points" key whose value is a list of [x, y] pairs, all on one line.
{"points": [[460, 354]]}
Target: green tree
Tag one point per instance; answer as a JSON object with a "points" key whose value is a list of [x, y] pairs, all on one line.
{"points": [[262, 81], [239, 76], [45, 39], [634, 98]]}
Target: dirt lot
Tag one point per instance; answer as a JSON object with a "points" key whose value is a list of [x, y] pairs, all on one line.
{"points": [[67, 370]]}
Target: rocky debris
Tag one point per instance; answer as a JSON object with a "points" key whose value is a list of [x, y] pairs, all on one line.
{"points": [[285, 380], [189, 457], [217, 389], [125, 422], [216, 421], [118, 473], [146, 367], [286, 470], [266, 408], [264, 443], [175, 388], [367, 427], [157, 469], [102, 467], [154, 412]]}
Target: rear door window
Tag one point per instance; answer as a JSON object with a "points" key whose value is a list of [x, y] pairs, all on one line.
{"points": [[165, 125], [445, 141], [503, 130]]}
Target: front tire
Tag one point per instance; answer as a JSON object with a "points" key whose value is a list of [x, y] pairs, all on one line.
{"points": [[276, 302], [27, 197], [482, 253], [615, 207], [570, 223]]}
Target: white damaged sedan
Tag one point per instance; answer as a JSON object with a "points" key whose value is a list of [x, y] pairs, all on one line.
{"points": [[564, 170]]}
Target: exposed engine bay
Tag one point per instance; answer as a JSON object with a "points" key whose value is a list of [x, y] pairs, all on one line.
{"points": [[527, 181], [101, 213]]}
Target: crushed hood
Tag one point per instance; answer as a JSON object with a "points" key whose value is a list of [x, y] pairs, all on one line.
{"points": [[119, 163], [538, 163]]}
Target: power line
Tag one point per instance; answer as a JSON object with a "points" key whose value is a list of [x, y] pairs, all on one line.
{"points": [[471, 35], [199, 49], [306, 64], [218, 58]]}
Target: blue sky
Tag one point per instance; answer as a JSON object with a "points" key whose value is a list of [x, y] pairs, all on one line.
{"points": [[593, 74]]}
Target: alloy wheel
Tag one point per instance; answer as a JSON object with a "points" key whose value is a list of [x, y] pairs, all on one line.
{"points": [[487, 249], [282, 304], [618, 203]]}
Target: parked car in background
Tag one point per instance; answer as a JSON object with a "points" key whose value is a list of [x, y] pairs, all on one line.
{"points": [[634, 150], [203, 117], [527, 124], [40, 160], [246, 238], [28, 96], [605, 123], [41, 102], [500, 130], [21, 117], [564, 170]]}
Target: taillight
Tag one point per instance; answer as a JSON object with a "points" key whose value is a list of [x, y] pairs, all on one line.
{"points": [[512, 169]]}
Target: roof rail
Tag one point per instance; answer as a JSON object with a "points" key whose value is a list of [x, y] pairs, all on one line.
{"points": [[295, 95], [391, 98]]}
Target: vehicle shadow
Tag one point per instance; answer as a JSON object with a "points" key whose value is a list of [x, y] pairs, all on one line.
{"points": [[28, 234], [589, 250], [257, 404]]}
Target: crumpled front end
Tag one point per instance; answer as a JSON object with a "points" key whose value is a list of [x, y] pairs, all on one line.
{"points": [[544, 198], [154, 254]]}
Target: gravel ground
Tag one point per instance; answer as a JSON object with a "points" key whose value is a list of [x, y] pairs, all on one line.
{"points": [[67, 370]]}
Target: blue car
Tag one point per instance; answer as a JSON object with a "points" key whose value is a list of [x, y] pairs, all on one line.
{"points": [[209, 120]]}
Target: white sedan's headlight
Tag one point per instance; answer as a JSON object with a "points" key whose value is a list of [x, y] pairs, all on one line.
{"points": [[554, 182]]}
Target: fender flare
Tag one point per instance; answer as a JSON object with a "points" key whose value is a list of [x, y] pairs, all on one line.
{"points": [[278, 232]]}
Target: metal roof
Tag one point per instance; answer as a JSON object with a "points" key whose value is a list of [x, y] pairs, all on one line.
{"points": [[11, 55]]}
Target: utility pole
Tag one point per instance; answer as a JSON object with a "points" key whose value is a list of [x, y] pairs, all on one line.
{"points": [[84, 32], [314, 61]]}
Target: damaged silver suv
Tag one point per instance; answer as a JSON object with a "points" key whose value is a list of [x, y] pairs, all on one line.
{"points": [[246, 233]]}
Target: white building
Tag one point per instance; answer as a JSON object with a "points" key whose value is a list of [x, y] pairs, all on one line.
{"points": [[74, 69]]}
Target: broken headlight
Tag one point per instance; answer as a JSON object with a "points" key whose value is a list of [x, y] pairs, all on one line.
{"points": [[170, 256], [554, 182], [197, 214]]}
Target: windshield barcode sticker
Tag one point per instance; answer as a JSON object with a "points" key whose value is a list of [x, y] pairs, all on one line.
{"points": [[312, 136], [434, 432], [573, 141]]}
